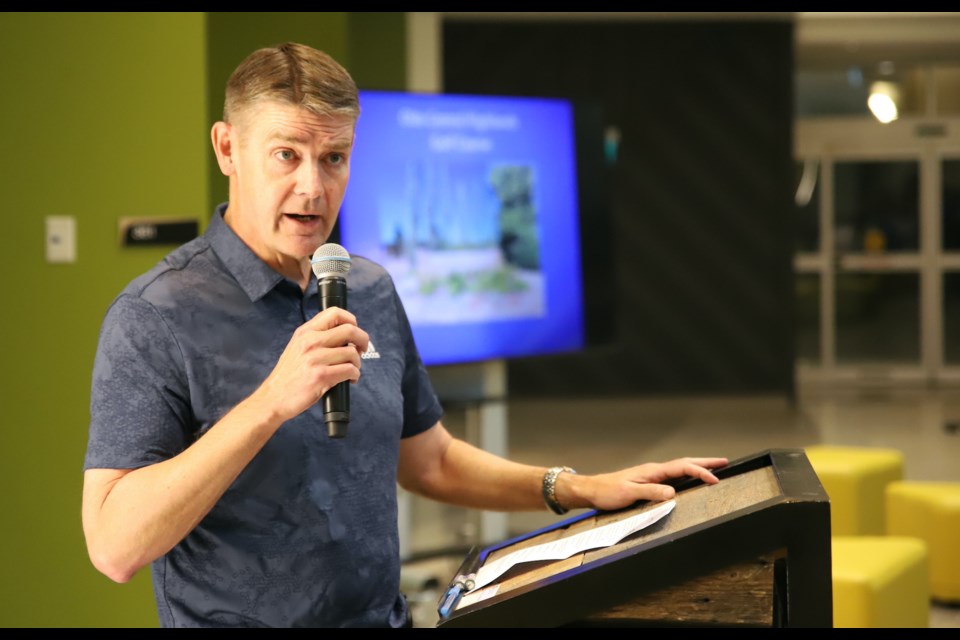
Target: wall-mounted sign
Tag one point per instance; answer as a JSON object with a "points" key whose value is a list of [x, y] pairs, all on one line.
{"points": [[150, 232]]}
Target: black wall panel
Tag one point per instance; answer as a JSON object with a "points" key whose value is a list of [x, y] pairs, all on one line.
{"points": [[697, 293]]}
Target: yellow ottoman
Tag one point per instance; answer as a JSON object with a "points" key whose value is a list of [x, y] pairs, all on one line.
{"points": [[880, 581], [855, 479], [931, 511]]}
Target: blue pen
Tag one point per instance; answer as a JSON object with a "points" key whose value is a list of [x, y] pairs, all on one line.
{"points": [[450, 600], [463, 582]]}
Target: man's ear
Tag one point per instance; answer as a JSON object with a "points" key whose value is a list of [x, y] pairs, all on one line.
{"points": [[223, 145]]}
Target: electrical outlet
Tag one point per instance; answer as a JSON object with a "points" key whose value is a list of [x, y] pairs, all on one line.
{"points": [[61, 239]]}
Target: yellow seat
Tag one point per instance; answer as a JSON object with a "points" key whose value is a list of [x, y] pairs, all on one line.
{"points": [[855, 479], [930, 511], [880, 581]]}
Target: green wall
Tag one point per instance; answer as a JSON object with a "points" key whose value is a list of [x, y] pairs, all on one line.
{"points": [[376, 51], [102, 118], [104, 115]]}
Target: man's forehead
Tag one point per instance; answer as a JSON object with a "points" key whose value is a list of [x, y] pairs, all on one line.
{"points": [[296, 123]]}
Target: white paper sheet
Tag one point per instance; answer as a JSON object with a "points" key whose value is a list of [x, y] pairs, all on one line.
{"points": [[604, 536]]}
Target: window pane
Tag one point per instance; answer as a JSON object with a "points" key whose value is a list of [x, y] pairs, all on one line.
{"points": [[950, 209], [951, 318], [878, 318], [877, 206], [807, 287]]}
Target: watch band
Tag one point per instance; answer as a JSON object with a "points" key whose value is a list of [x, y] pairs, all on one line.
{"points": [[550, 489]]}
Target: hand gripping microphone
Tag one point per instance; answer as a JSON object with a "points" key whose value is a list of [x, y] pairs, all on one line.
{"points": [[330, 264]]}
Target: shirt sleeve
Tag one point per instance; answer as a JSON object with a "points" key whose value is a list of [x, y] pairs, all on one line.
{"points": [[139, 400], [421, 407]]}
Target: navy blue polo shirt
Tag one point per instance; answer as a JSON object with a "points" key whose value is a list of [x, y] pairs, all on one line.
{"points": [[307, 534]]}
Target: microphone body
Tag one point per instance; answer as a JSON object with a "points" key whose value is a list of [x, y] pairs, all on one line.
{"points": [[330, 264], [336, 401]]}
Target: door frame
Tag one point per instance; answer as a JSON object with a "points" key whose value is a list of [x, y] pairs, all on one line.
{"points": [[928, 141]]}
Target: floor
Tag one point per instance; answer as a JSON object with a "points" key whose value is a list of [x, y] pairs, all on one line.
{"points": [[604, 434]]}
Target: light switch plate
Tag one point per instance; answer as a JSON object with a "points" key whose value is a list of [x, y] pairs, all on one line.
{"points": [[61, 239]]}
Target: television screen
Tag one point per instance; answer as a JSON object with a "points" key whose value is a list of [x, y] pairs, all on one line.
{"points": [[471, 204]]}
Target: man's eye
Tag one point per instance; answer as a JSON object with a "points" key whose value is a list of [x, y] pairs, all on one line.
{"points": [[336, 158], [285, 154]]}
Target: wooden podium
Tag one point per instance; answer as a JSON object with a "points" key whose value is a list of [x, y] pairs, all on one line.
{"points": [[750, 551]]}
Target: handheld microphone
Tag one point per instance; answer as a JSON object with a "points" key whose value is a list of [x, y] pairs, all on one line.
{"points": [[330, 264]]}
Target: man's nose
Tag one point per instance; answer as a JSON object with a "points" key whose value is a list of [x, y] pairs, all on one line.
{"points": [[309, 181]]}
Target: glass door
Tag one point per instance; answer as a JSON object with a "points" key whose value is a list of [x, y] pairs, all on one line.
{"points": [[878, 251], [947, 188]]}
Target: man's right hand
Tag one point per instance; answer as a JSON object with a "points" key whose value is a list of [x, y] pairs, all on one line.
{"points": [[323, 352]]}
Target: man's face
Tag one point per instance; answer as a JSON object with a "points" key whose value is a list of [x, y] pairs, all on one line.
{"points": [[290, 172]]}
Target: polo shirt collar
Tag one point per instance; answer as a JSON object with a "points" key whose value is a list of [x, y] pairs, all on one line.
{"points": [[255, 277]]}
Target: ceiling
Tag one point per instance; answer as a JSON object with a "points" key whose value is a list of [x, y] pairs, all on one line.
{"points": [[829, 40]]}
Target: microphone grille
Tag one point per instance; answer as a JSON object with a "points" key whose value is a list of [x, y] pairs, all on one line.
{"points": [[330, 259]]}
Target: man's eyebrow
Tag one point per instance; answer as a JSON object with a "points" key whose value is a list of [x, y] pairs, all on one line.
{"points": [[287, 137]]}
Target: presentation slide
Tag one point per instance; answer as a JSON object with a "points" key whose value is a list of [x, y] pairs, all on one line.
{"points": [[470, 203]]}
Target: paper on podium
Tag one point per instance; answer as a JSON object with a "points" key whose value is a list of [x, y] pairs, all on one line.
{"points": [[604, 536]]}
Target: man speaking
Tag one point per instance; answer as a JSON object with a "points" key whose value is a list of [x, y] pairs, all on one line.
{"points": [[207, 456]]}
